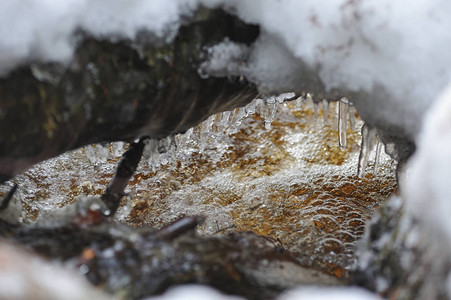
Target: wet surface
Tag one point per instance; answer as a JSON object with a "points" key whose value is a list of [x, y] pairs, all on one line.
{"points": [[290, 183]]}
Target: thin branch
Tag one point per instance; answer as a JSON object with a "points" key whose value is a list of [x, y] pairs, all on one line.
{"points": [[125, 170], [5, 202], [179, 227]]}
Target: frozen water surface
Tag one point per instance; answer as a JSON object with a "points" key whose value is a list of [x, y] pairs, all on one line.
{"points": [[290, 182]]}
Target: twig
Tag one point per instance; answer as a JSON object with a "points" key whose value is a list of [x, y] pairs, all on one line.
{"points": [[125, 170], [5, 202], [179, 227]]}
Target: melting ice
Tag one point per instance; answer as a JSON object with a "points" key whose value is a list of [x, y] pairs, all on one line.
{"points": [[290, 182]]}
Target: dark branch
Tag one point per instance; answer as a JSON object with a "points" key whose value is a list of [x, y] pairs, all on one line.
{"points": [[179, 227], [125, 170], [5, 202]]}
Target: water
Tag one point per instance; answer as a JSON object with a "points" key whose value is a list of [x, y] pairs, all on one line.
{"points": [[290, 182]]}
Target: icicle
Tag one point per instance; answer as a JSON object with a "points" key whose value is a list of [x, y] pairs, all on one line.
{"points": [[270, 115], [251, 108], [325, 110], [151, 154], [285, 96], [270, 100], [207, 130], [102, 152], [118, 148], [238, 115], [165, 149], [185, 143], [90, 152], [298, 102], [315, 110], [352, 120], [97, 153], [378, 154], [224, 120], [343, 105], [368, 136], [172, 151]]}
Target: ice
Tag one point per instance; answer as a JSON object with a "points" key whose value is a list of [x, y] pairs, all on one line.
{"points": [[161, 152], [315, 110], [352, 121], [325, 110], [117, 148], [379, 146], [268, 117], [97, 153], [251, 108], [290, 182], [368, 137], [372, 49], [343, 113], [237, 117]]}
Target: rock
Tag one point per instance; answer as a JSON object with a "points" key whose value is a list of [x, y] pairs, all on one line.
{"points": [[117, 90], [139, 263]]}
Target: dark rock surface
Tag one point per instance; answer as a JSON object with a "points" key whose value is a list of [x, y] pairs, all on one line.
{"points": [[117, 90], [138, 263]]}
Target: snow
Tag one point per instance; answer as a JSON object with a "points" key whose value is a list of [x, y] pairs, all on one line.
{"points": [[336, 293], [26, 276], [43, 30], [372, 46], [198, 292], [394, 57], [426, 185], [193, 292]]}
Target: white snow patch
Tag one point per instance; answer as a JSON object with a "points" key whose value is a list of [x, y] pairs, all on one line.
{"points": [[43, 29], [427, 184], [193, 292], [326, 293], [23, 275]]}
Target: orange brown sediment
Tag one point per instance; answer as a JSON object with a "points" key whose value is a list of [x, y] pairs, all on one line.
{"points": [[319, 214]]}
